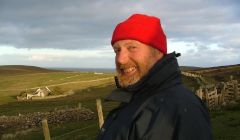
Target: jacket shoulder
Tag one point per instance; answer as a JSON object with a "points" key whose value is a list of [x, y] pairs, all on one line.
{"points": [[175, 98], [173, 113]]}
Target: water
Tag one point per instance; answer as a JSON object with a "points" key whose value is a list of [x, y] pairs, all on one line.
{"points": [[107, 70]]}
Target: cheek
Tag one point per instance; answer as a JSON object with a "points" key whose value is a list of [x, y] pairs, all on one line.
{"points": [[116, 62], [117, 66], [144, 63], [140, 58]]}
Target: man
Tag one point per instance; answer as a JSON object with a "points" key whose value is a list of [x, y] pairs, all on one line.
{"points": [[154, 103]]}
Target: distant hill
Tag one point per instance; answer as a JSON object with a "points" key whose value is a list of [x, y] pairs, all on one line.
{"points": [[22, 69], [220, 73], [226, 67], [188, 68]]}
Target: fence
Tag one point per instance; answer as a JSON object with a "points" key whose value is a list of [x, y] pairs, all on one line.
{"points": [[46, 131], [33, 121], [219, 95], [213, 95]]}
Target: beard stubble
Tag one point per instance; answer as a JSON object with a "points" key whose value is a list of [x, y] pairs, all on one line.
{"points": [[142, 68]]}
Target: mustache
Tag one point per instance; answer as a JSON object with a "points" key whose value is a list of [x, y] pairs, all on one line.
{"points": [[125, 66]]}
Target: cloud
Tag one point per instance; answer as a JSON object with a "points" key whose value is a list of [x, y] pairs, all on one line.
{"points": [[57, 57], [212, 55], [43, 57], [88, 25]]}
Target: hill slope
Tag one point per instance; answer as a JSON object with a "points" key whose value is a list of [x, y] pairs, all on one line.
{"points": [[221, 73], [22, 69], [188, 68]]}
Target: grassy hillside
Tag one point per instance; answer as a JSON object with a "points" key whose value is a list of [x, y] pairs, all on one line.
{"points": [[221, 73], [21, 69], [188, 68], [13, 83], [209, 69], [70, 130], [87, 87]]}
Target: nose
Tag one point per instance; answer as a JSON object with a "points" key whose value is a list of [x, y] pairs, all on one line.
{"points": [[122, 57]]}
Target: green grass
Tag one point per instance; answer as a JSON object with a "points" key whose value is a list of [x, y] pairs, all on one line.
{"points": [[226, 123], [86, 97], [71, 130], [84, 130], [43, 79], [11, 86]]}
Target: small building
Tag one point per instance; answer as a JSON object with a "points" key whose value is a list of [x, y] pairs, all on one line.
{"points": [[40, 92]]}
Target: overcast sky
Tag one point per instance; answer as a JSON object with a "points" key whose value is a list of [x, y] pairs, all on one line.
{"points": [[77, 33]]}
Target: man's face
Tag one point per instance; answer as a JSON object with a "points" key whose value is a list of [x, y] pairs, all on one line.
{"points": [[133, 60]]}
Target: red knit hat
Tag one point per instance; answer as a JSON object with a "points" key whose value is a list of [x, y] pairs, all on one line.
{"points": [[144, 28]]}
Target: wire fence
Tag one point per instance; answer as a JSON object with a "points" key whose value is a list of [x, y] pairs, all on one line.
{"points": [[75, 133]]}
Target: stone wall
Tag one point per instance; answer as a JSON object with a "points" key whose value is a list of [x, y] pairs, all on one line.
{"points": [[190, 74], [54, 117], [200, 79]]}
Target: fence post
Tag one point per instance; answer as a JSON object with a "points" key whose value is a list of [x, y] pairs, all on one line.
{"points": [[200, 93], [235, 89], [216, 102], [100, 113], [66, 107], [79, 106], [46, 129]]}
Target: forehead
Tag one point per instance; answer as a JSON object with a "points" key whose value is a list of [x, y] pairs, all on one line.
{"points": [[126, 42]]}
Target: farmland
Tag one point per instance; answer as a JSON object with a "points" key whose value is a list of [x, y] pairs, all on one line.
{"points": [[12, 84], [87, 87]]}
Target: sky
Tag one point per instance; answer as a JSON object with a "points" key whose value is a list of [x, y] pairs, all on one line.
{"points": [[77, 33]]}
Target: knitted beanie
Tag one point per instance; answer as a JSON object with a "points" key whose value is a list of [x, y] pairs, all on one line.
{"points": [[143, 28]]}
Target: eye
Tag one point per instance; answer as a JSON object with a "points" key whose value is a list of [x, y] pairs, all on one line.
{"points": [[132, 48], [116, 50]]}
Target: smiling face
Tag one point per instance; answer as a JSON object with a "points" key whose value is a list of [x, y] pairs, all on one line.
{"points": [[133, 60]]}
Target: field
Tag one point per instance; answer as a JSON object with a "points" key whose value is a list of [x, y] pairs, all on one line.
{"points": [[226, 123], [12, 85], [87, 87], [79, 130]]}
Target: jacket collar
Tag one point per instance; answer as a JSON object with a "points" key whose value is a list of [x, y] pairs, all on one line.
{"points": [[164, 74]]}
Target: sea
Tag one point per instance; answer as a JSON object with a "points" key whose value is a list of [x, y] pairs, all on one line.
{"points": [[104, 70]]}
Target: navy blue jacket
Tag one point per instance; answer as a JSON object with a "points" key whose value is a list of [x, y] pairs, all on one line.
{"points": [[158, 107]]}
